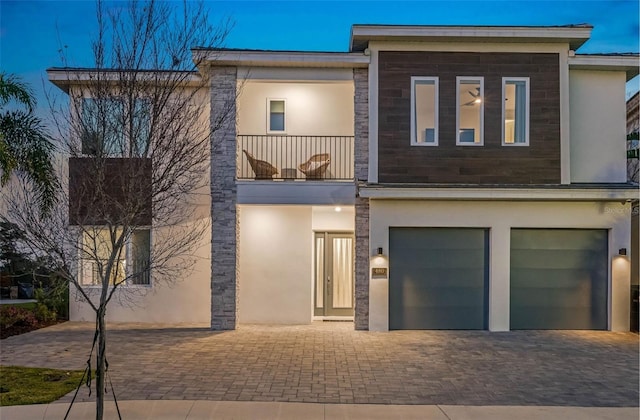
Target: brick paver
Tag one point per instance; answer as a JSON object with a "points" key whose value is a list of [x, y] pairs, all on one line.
{"points": [[332, 363]]}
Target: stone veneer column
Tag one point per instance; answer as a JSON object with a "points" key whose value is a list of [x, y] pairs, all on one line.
{"points": [[224, 217], [361, 108]]}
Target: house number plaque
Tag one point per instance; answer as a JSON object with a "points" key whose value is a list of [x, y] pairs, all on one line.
{"points": [[379, 272]]}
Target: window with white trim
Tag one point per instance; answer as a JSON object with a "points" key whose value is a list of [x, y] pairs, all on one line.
{"points": [[515, 111], [424, 111], [276, 115], [130, 268], [469, 111]]}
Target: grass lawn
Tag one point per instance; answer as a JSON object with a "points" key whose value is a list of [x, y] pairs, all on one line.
{"points": [[22, 385], [29, 305]]}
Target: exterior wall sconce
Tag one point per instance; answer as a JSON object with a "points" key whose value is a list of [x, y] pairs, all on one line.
{"points": [[622, 251], [380, 251]]}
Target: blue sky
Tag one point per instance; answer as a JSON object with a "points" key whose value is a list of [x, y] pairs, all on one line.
{"points": [[32, 32]]}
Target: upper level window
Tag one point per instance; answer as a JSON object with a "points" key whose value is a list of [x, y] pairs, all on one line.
{"points": [[112, 127], [515, 111], [276, 118], [424, 111], [470, 111]]}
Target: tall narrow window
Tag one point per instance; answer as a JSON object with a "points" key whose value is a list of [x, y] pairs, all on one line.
{"points": [[276, 115], [515, 111], [424, 111], [470, 111], [139, 256], [112, 127]]}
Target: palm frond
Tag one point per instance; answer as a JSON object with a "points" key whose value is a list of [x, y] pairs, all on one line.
{"points": [[13, 88], [26, 148]]}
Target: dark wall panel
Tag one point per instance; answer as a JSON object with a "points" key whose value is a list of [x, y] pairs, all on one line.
{"points": [[398, 162], [110, 191]]}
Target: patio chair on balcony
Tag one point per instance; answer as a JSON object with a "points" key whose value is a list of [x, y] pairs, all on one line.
{"points": [[316, 166], [261, 168]]}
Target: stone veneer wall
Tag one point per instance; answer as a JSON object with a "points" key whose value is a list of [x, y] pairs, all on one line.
{"points": [[224, 217], [361, 108]]}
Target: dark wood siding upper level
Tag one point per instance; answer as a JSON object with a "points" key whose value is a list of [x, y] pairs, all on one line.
{"points": [[399, 162], [113, 190]]}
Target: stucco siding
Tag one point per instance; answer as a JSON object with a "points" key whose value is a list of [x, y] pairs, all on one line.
{"points": [[597, 107], [500, 218]]}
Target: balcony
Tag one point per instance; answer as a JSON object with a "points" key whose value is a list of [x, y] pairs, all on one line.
{"points": [[295, 158]]}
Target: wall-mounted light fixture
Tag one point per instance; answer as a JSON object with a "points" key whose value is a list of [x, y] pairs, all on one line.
{"points": [[622, 251], [380, 251]]}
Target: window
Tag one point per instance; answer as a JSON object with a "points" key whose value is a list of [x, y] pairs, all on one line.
{"points": [[111, 127], [470, 111], [276, 108], [132, 268], [424, 111], [515, 111]]}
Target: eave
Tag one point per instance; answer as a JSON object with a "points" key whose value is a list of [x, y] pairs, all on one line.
{"points": [[64, 77], [629, 63], [574, 35], [256, 58], [619, 192]]}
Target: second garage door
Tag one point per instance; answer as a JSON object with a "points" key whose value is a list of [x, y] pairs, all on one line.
{"points": [[559, 279], [438, 278]]}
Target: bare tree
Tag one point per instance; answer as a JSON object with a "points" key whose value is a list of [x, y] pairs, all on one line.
{"points": [[137, 133]]}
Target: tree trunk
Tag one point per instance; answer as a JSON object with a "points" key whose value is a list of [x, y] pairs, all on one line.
{"points": [[100, 365]]}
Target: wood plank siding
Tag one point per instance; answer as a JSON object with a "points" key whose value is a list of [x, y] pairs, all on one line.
{"points": [[398, 162]]}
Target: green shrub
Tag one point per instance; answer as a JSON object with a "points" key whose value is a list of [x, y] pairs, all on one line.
{"points": [[55, 298], [44, 314], [12, 316]]}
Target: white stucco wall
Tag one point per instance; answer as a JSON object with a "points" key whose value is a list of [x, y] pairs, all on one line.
{"points": [[327, 219], [322, 109], [598, 121], [184, 299], [500, 217], [179, 300], [275, 260]]}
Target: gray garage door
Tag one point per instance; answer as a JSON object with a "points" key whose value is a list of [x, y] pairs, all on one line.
{"points": [[559, 279], [438, 278]]}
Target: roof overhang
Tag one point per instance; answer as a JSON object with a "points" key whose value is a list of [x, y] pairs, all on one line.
{"points": [[574, 35], [565, 193], [629, 63], [63, 78], [253, 58]]}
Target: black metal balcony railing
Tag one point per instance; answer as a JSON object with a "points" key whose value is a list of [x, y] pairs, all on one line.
{"points": [[288, 158]]}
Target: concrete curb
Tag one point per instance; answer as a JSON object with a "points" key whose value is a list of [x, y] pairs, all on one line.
{"points": [[192, 410]]}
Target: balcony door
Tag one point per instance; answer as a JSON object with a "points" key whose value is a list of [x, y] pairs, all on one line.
{"points": [[334, 274]]}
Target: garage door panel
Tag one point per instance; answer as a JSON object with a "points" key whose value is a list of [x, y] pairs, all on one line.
{"points": [[559, 279], [549, 278], [554, 258], [438, 278], [441, 277], [444, 259], [433, 318], [563, 318], [558, 239], [442, 296]]}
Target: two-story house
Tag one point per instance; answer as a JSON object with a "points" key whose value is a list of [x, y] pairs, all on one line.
{"points": [[430, 178]]}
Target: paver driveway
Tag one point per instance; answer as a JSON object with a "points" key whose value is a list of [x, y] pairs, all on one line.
{"points": [[330, 362]]}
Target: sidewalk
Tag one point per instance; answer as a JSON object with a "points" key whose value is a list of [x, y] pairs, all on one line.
{"points": [[192, 410]]}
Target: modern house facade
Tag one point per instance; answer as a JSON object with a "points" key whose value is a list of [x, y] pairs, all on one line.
{"points": [[429, 178]]}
